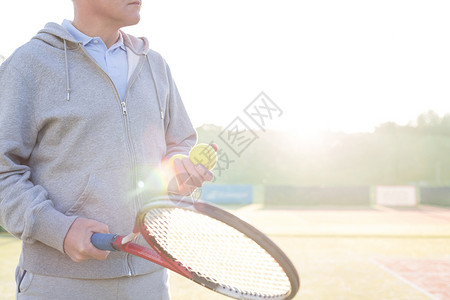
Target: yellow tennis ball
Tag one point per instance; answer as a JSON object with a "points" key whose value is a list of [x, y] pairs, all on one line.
{"points": [[203, 154]]}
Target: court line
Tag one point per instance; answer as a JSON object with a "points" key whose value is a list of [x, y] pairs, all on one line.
{"points": [[398, 276]]}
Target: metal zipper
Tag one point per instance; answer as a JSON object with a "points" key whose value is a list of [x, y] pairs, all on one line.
{"points": [[132, 150], [124, 108], [130, 83]]}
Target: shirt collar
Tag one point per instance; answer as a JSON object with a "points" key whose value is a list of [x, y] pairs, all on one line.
{"points": [[85, 39], [119, 43], [77, 35]]}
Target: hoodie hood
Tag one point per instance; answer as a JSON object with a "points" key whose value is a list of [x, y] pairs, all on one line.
{"points": [[55, 35]]}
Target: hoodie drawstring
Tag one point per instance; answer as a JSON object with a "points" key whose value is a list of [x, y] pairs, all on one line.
{"points": [[67, 73], [161, 112], [156, 88]]}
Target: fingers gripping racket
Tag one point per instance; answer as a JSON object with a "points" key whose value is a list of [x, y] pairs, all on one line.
{"points": [[209, 246]]}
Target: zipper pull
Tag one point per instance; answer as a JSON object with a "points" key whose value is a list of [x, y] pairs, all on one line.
{"points": [[124, 108]]}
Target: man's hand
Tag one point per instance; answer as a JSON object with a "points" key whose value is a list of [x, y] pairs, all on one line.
{"points": [[188, 176], [77, 243]]}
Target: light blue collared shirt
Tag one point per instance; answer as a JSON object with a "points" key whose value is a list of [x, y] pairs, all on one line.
{"points": [[113, 61]]}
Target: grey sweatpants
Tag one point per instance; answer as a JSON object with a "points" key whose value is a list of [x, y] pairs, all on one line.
{"points": [[152, 286]]}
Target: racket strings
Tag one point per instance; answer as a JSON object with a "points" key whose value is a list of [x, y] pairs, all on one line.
{"points": [[217, 252]]}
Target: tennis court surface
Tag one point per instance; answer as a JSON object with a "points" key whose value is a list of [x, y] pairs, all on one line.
{"points": [[353, 253]]}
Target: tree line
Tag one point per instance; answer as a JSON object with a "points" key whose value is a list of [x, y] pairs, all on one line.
{"points": [[417, 153]]}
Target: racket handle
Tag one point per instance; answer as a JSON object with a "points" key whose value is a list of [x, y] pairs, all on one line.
{"points": [[104, 241]]}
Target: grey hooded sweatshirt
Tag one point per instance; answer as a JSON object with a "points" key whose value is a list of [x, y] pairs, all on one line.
{"points": [[69, 147]]}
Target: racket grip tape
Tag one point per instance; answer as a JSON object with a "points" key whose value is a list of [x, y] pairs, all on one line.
{"points": [[104, 241]]}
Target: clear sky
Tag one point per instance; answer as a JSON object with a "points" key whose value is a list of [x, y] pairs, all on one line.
{"points": [[328, 64]]}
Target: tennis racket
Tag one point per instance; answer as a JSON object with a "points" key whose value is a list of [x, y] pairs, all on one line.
{"points": [[209, 246]]}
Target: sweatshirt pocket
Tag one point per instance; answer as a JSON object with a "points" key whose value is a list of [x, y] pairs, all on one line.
{"points": [[81, 201], [108, 198]]}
